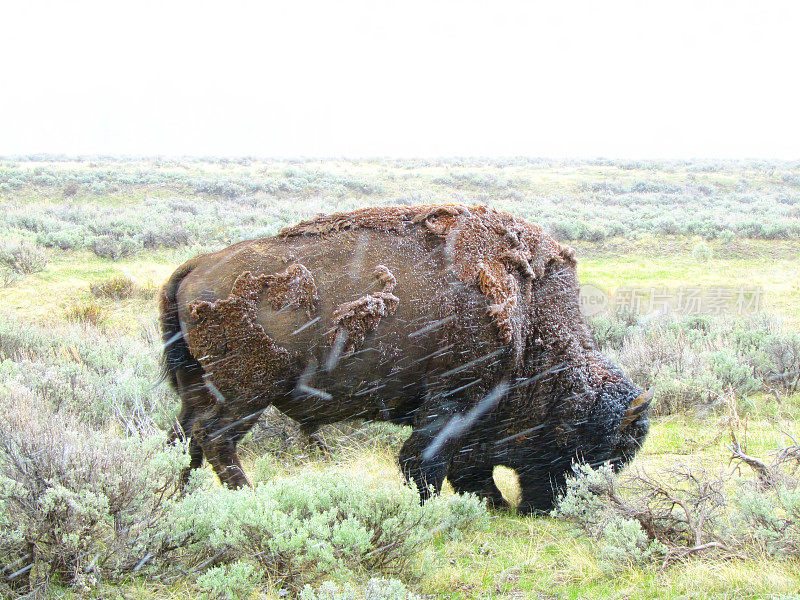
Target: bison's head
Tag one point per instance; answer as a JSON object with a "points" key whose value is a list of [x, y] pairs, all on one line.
{"points": [[591, 411], [617, 422]]}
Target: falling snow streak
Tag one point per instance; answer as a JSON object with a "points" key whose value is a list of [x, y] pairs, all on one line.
{"points": [[458, 425], [433, 326]]}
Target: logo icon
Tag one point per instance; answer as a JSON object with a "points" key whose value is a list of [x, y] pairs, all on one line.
{"points": [[593, 300]]}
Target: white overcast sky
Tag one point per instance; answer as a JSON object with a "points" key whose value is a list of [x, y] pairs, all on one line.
{"points": [[404, 78]]}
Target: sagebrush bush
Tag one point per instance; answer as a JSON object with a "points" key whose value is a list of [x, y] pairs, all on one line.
{"points": [[79, 505], [86, 312], [733, 372], [116, 287], [591, 501], [24, 258], [376, 589], [66, 239], [70, 189], [113, 248], [304, 528], [702, 252], [104, 381], [274, 434], [694, 361], [625, 541], [691, 393], [611, 331], [636, 517], [168, 235], [769, 518], [783, 360], [8, 277], [233, 581]]}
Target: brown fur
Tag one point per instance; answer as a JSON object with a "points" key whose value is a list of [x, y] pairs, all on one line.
{"points": [[294, 288]]}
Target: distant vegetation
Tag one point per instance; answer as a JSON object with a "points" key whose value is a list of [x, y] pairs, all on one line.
{"points": [[119, 207]]}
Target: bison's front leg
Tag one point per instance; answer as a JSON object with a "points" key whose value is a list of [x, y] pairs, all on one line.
{"points": [[428, 475], [541, 481], [424, 456]]}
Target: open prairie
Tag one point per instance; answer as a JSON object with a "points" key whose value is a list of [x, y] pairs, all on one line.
{"points": [[697, 264]]}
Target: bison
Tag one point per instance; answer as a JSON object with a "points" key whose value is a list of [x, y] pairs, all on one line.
{"points": [[463, 323]]}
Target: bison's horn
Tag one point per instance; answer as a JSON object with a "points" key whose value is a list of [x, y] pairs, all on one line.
{"points": [[636, 408]]}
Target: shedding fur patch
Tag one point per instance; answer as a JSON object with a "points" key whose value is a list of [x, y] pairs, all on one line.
{"points": [[495, 251], [293, 288], [502, 290], [361, 316], [234, 350]]}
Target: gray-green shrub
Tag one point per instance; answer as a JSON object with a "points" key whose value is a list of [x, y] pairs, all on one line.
{"points": [[78, 369], [769, 518], [77, 504], [376, 589], [693, 360], [233, 581], [702, 252], [114, 248], [116, 287], [592, 502], [303, 528], [636, 517], [24, 258], [8, 278]]}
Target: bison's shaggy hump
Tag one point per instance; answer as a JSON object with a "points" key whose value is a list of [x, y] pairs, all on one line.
{"points": [[495, 251], [229, 342]]}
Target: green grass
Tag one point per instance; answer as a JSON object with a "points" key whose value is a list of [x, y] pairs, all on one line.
{"points": [[46, 296], [540, 558], [778, 277]]}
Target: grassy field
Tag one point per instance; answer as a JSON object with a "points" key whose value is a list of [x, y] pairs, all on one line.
{"points": [[634, 224]]}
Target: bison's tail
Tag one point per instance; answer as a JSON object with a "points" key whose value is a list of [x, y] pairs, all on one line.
{"points": [[176, 353]]}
